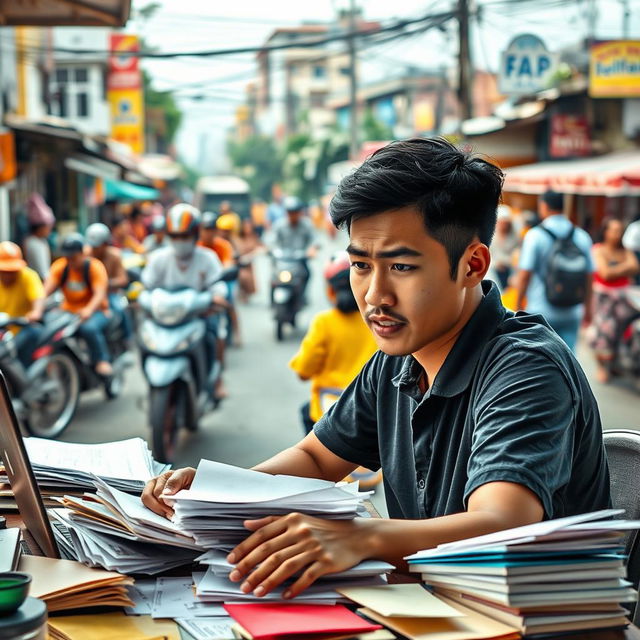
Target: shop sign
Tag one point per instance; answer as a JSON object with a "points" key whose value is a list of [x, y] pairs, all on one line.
{"points": [[125, 94], [614, 69], [569, 136], [526, 66], [8, 167]]}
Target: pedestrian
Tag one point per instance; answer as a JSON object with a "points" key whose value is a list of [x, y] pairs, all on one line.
{"points": [[631, 241], [504, 243], [334, 350], [556, 268], [123, 237], [158, 236], [37, 251], [248, 245], [480, 419], [615, 269]]}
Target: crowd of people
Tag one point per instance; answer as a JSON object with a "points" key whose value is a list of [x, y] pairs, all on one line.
{"points": [[590, 288]]}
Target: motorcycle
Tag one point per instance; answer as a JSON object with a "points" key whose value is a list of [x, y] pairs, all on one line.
{"points": [[65, 340], [44, 394], [287, 287], [175, 362]]}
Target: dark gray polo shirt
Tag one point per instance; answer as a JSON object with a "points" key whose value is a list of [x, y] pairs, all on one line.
{"points": [[510, 403]]}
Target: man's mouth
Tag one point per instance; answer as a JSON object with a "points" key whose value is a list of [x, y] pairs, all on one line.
{"points": [[384, 326]]}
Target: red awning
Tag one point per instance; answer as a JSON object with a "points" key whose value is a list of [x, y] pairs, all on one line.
{"points": [[614, 174]]}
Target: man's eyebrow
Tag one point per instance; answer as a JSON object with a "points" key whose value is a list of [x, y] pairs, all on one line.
{"points": [[391, 253]]}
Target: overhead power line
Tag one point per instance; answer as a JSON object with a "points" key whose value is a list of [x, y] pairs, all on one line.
{"points": [[399, 25]]}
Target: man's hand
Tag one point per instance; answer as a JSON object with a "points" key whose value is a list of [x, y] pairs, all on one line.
{"points": [[85, 313], [221, 301], [286, 545], [312, 252], [33, 316], [167, 484]]}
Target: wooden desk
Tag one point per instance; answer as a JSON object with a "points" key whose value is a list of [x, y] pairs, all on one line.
{"points": [[631, 633]]}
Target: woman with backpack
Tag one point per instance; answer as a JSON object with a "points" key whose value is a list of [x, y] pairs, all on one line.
{"points": [[615, 268]]}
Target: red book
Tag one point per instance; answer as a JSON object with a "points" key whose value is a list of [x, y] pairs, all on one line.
{"points": [[274, 621]]}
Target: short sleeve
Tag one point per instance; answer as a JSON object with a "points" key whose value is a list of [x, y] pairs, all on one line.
{"points": [[55, 273], [34, 287], [528, 252], [312, 355], [98, 275], [350, 428], [524, 426]]}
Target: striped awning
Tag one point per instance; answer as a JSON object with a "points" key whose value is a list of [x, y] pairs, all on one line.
{"points": [[614, 174]]}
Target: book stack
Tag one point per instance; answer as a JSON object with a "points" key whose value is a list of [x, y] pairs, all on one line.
{"points": [[556, 576]]}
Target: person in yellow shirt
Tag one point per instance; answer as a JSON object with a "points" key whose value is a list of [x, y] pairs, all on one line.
{"points": [[334, 350], [84, 282], [21, 296]]}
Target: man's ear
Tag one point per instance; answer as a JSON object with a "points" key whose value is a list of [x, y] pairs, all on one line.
{"points": [[474, 264]]}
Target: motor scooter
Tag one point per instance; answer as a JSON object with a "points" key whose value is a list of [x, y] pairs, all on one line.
{"points": [[288, 282], [176, 361]]}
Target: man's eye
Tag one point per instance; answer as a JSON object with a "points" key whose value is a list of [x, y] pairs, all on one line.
{"points": [[403, 267], [359, 265]]}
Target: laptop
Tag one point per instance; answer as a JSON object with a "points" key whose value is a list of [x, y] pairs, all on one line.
{"points": [[23, 483]]}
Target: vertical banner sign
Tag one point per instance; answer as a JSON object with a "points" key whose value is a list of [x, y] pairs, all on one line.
{"points": [[125, 93], [570, 136], [614, 69]]}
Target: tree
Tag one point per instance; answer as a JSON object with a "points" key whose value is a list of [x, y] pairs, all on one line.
{"points": [[258, 161], [374, 129], [163, 116]]}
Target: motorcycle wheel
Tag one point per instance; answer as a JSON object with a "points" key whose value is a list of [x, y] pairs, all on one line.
{"points": [[167, 412], [54, 414]]}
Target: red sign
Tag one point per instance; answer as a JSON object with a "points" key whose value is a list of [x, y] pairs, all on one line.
{"points": [[569, 136], [124, 70]]}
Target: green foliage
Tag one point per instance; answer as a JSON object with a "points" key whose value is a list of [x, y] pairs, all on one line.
{"points": [[164, 101], [258, 161], [373, 129], [191, 175]]}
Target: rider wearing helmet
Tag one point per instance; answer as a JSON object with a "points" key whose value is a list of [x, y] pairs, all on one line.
{"points": [[210, 238], [184, 264], [295, 233], [84, 282], [21, 296], [337, 345], [98, 237], [158, 236]]}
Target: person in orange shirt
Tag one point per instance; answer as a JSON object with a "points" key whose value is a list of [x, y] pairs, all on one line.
{"points": [[210, 239], [84, 283]]}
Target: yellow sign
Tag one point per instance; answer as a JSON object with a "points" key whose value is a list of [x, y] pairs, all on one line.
{"points": [[614, 69], [127, 117]]}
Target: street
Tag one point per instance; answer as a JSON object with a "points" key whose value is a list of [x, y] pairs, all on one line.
{"points": [[260, 416]]}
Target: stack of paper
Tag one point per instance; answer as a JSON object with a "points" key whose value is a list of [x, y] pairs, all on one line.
{"points": [[559, 575], [112, 626], [222, 496], [66, 585], [65, 467]]}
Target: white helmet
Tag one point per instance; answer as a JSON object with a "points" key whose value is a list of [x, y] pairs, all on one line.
{"points": [[97, 234]]}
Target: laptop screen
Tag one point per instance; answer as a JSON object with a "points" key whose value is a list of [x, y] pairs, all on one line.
{"points": [[21, 478]]}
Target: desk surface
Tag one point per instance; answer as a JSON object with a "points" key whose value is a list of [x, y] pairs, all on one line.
{"points": [[631, 633]]}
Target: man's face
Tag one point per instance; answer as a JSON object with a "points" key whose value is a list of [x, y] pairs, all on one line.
{"points": [[207, 235], [401, 280], [76, 260], [294, 217]]}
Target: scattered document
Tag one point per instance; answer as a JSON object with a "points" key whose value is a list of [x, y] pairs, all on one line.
{"points": [[175, 598], [401, 600], [218, 628], [141, 594], [111, 626]]}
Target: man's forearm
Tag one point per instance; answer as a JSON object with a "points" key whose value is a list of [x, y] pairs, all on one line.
{"points": [[292, 462]]}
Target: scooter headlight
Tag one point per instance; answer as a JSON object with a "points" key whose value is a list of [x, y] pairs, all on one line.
{"points": [[285, 276], [167, 312]]}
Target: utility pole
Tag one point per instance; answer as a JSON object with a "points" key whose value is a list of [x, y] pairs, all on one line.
{"points": [[626, 17], [353, 84], [464, 61]]}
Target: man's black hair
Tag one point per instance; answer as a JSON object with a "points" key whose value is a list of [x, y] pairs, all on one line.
{"points": [[553, 200], [457, 193]]}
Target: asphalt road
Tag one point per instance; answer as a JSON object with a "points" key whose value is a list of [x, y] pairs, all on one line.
{"points": [[260, 417]]}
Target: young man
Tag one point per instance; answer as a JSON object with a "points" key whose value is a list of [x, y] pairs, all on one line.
{"points": [[479, 419], [534, 259], [83, 281]]}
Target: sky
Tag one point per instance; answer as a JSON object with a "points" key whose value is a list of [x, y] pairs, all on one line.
{"points": [[182, 25]]}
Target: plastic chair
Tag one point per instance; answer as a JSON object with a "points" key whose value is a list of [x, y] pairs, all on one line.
{"points": [[623, 453]]}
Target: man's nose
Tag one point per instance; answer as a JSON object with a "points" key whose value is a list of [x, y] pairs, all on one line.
{"points": [[379, 292]]}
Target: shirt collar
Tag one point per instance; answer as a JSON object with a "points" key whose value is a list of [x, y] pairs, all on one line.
{"points": [[458, 368]]}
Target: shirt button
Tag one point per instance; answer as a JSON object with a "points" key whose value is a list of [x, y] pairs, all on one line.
{"points": [[421, 484]]}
